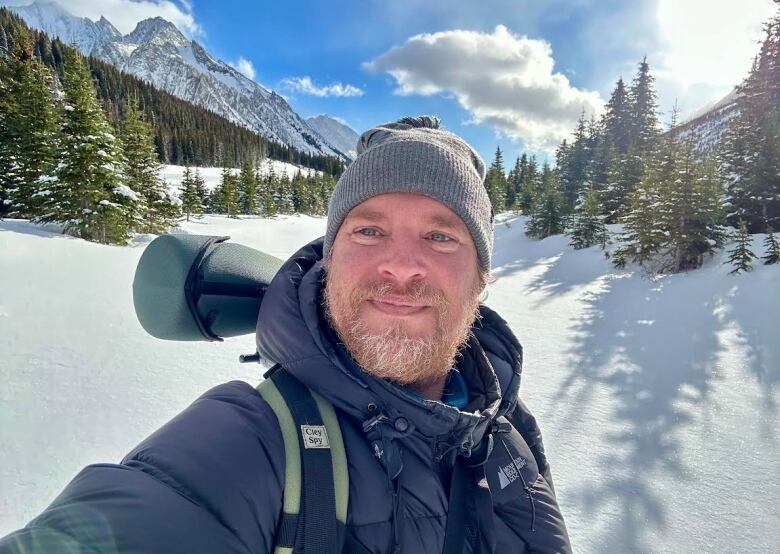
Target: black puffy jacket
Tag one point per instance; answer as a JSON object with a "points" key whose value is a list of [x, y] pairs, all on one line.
{"points": [[211, 480]]}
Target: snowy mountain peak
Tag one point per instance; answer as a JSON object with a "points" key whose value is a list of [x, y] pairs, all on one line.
{"points": [[158, 31], [157, 52], [53, 18], [108, 27], [336, 132]]}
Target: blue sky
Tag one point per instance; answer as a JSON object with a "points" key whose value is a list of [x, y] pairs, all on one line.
{"points": [[499, 72]]}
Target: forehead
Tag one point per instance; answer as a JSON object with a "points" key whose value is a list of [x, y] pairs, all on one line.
{"points": [[406, 207]]}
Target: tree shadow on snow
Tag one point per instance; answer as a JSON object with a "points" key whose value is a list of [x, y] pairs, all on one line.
{"points": [[653, 350]]}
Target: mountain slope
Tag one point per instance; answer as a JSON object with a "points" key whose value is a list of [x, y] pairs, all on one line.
{"points": [[336, 133], [157, 52]]}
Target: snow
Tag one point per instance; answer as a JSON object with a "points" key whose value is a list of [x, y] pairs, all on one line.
{"points": [[126, 191], [212, 176], [658, 398]]}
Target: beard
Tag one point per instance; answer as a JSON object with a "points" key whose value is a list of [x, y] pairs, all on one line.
{"points": [[391, 352]]}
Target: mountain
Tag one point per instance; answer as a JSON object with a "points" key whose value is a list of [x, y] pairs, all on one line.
{"points": [[81, 32], [157, 52], [708, 124], [337, 133]]}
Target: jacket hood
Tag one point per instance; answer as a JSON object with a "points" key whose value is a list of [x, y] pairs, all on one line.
{"points": [[293, 332]]}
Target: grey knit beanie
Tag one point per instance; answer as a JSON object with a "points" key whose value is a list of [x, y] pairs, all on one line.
{"points": [[415, 155]]}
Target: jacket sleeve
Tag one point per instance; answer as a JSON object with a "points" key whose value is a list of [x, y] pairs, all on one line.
{"points": [[208, 481]]}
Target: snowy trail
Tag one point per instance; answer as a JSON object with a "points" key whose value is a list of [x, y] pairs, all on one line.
{"points": [[658, 399]]}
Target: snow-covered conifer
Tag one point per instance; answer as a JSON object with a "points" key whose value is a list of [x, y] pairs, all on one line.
{"points": [[88, 196], [741, 256]]}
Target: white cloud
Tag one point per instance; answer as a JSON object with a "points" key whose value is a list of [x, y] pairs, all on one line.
{"points": [[244, 66], [125, 14], [503, 80], [306, 86], [706, 46]]}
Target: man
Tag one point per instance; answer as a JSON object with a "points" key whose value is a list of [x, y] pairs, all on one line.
{"points": [[382, 319]]}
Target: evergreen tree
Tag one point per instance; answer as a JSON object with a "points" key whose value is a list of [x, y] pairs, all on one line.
{"points": [[644, 118], [772, 254], [692, 208], [248, 193], [618, 120], [224, 200], [644, 233], [496, 184], [514, 182], [200, 187], [269, 190], [154, 211], [191, 201], [547, 217], [529, 187], [572, 164], [283, 194], [750, 150], [88, 196], [588, 228], [741, 256], [29, 131]]}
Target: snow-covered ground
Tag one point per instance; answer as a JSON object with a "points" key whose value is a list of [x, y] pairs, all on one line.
{"points": [[173, 174], [658, 399]]}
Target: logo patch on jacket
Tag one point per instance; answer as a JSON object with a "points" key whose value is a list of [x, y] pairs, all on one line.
{"points": [[508, 474], [314, 436]]}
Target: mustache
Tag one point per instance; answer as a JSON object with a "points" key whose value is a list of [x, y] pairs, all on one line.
{"points": [[414, 293]]}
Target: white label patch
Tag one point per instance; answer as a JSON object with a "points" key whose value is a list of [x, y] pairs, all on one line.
{"points": [[314, 436]]}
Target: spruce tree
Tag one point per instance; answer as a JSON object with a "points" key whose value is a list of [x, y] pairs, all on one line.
{"points": [[224, 200], [692, 210], [529, 187], [741, 256], [191, 203], [514, 183], [772, 248], [644, 118], [200, 187], [269, 193], [749, 153], [247, 185], [588, 228], [155, 211], [88, 196], [29, 130], [618, 119], [547, 217], [572, 164], [496, 183], [644, 233]]}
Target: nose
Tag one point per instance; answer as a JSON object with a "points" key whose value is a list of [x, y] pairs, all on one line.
{"points": [[402, 262]]}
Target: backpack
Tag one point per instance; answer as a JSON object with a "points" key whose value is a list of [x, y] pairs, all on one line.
{"points": [[316, 480]]}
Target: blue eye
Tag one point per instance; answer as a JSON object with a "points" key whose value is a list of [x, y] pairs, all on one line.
{"points": [[438, 237], [368, 232]]}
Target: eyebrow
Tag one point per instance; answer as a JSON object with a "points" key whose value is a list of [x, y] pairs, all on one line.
{"points": [[440, 221]]}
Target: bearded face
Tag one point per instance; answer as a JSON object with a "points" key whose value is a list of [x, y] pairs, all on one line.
{"points": [[402, 288]]}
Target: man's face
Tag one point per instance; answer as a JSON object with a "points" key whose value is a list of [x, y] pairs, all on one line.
{"points": [[402, 287]]}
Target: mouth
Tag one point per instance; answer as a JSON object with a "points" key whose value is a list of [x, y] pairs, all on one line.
{"points": [[396, 307]]}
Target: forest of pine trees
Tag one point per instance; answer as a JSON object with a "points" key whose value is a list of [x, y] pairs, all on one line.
{"points": [[675, 204], [184, 134], [78, 148]]}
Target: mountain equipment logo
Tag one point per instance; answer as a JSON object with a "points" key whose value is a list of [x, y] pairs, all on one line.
{"points": [[509, 473]]}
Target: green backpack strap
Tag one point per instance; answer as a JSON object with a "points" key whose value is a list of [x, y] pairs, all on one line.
{"points": [[313, 517]]}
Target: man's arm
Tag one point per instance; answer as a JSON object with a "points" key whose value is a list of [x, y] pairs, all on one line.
{"points": [[210, 480]]}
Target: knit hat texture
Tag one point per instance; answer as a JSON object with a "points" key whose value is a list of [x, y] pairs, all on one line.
{"points": [[414, 155]]}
